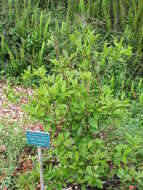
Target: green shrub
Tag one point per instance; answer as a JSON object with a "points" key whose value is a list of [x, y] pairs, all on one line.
{"points": [[90, 145], [87, 120]]}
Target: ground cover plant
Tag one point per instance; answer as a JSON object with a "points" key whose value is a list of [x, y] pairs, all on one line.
{"points": [[12, 143], [83, 62]]}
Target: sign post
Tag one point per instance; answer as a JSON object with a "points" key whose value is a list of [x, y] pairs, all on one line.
{"points": [[39, 139], [41, 167]]}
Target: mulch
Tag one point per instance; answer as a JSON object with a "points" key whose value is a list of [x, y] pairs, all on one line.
{"points": [[12, 112]]}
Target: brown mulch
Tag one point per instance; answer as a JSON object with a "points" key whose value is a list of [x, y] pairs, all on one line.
{"points": [[12, 112]]}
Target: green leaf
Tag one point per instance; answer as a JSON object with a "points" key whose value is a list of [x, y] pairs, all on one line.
{"points": [[120, 173]]}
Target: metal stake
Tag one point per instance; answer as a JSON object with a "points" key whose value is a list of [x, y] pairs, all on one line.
{"points": [[41, 168]]}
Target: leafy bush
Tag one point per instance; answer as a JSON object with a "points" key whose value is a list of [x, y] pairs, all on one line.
{"points": [[87, 120]]}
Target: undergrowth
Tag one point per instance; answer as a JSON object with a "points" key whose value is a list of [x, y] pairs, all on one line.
{"points": [[12, 142]]}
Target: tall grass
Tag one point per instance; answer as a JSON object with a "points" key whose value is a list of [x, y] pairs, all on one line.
{"points": [[25, 26], [25, 32]]}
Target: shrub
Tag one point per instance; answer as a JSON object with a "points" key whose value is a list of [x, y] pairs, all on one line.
{"points": [[90, 146]]}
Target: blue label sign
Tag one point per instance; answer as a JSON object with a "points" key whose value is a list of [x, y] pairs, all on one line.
{"points": [[37, 138]]}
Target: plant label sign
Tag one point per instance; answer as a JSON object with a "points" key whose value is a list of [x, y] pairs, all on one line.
{"points": [[37, 138]]}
